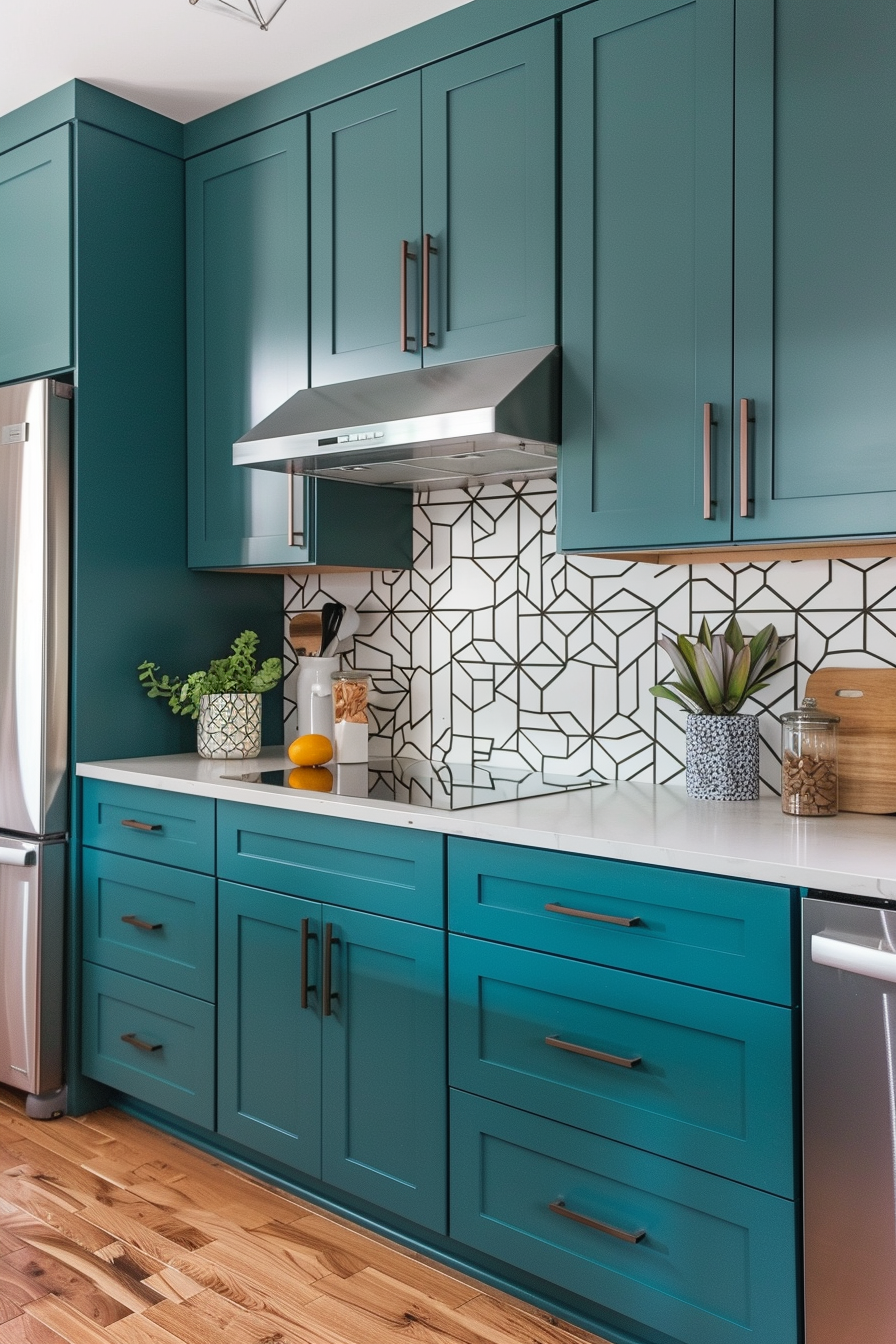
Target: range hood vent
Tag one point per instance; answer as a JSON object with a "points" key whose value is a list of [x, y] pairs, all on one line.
{"points": [[479, 421]]}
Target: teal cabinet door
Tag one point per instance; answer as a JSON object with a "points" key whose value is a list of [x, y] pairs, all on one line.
{"points": [[489, 197], [647, 266], [36, 258], [815, 284], [365, 203], [247, 329], [384, 1084], [269, 1041]]}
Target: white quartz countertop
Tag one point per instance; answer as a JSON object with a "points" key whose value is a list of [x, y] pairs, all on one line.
{"points": [[640, 823]]}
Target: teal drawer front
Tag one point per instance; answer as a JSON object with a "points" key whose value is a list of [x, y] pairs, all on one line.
{"points": [[169, 1058], [720, 933], [717, 1260], [712, 1079], [175, 828], [149, 920], [384, 870]]}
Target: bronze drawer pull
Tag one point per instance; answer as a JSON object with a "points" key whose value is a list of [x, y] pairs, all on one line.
{"points": [[405, 340], [708, 423], [429, 251], [328, 994], [621, 1060], [747, 418], [558, 1206], [139, 923], [130, 1039], [304, 986], [589, 914], [141, 825]]}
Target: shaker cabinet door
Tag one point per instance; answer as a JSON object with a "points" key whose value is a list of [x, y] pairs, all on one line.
{"points": [[365, 171], [35, 257], [385, 1084], [489, 198], [647, 265], [815, 284], [269, 1060], [247, 340]]}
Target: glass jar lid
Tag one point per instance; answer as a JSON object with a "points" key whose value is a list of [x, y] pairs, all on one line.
{"points": [[350, 675], [809, 714]]}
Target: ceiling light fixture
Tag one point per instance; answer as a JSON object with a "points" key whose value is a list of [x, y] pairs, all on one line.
{"points": [[252, 11]]}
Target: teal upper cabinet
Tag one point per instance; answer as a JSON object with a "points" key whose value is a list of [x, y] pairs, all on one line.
{"points": [[647, 271], [247, 331], [489, 193], [35, 257], [467, 244], [247, 307], [365, 173], [815, 312]]}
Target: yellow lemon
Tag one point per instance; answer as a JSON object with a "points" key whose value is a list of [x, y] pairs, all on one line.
{"points": [[311, 749], [317, 778]]}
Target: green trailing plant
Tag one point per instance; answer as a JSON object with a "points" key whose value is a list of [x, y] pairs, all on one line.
{"points": [[717, 673], [236, 674]]}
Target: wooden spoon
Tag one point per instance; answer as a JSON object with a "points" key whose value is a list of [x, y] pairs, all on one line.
{"points": [[306, 633]]}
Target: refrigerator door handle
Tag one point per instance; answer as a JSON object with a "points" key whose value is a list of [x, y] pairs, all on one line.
{"points": [[18, 858], [854, 957]]}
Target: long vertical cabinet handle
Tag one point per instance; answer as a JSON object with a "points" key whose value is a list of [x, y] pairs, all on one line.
{"points": [[708, 423], [406, 256], [327, 993], [746, 419], [429, 251], [290, 505], [304, 987]]}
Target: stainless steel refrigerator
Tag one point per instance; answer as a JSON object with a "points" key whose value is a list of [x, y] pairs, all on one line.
{"points": [[35, 420]]}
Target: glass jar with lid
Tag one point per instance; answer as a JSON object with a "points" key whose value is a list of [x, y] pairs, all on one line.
{"points": [[350, 713], [809, 785]]}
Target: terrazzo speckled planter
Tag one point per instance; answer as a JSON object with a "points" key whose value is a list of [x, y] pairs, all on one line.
{"points": [[229, 726], [722, 757]]}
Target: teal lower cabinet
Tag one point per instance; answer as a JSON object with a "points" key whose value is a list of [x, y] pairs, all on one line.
{"points": [[150, 1042], [331, 1047], [268, 1027], [665, 1247], [701, 1077], [384, 1088]]}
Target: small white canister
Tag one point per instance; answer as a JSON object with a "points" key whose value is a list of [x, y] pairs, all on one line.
{"points": [[350, 701]]}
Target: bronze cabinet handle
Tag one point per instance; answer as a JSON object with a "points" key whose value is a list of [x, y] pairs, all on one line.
{"points": [[558, 1206], [304, 986], [141, 825], [429, 251], [138, 923], [404, 339], [624, 1062], [130, 1039], [290, 505], [627, 923], [327, 993], [747, 418], [708, 423]]}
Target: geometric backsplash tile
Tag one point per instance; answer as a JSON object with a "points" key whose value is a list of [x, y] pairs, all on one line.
{"points": [[494, 647]]}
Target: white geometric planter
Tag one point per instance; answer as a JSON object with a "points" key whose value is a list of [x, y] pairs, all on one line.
{"points": [[722, 757], [229, 726]]}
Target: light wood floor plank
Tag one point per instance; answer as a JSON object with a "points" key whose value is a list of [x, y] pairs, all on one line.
{"points": [[114, 1233]]}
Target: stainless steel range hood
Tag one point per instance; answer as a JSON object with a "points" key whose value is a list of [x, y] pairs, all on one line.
{"points": [[478, 421]]}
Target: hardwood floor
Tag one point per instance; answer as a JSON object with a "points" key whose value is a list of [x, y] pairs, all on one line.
{"points": [[113, 1233]]}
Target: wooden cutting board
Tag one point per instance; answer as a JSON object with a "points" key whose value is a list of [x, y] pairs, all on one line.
{"points": [[865, 699]]}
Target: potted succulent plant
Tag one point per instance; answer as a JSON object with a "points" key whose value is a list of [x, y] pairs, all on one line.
{"points": [[717, 673], [225, 699]]}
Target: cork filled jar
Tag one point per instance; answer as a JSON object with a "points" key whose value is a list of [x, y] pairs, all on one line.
{"points": [[809, 762], [350, 700]]}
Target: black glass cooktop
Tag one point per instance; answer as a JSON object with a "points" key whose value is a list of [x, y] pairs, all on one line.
{"points": [[422, 783]]}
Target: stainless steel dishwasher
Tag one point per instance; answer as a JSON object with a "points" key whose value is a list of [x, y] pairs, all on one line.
{"points": [[849, 1120]]}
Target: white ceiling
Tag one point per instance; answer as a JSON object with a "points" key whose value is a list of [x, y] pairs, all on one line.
{"points": [[180, 59]]}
